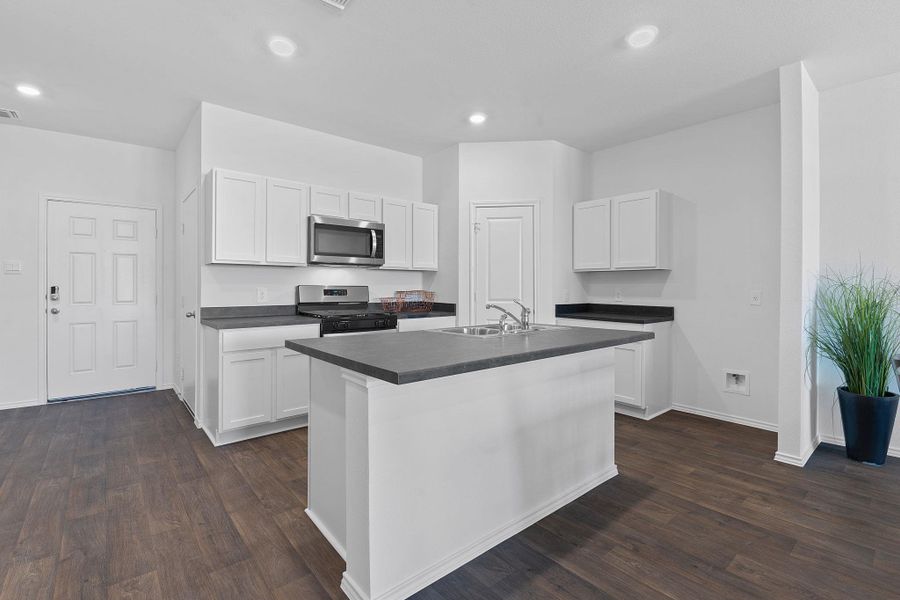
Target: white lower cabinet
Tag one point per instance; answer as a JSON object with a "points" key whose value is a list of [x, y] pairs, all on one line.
{"points": [[252, 384], [423, 323], [643, 385]]}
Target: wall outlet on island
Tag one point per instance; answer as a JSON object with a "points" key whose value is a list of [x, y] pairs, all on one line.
{"points": [[262, 295], [618, 295]]}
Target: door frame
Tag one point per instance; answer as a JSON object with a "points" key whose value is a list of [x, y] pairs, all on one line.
{"points": [[43, 283], [179, 304], [536, 220]]}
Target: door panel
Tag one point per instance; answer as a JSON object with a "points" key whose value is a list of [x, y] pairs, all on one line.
{"points": [[591, 235], [246, 388], [365, 207], [504, 260], [397, 217], [101, 331], [240, 217], [629, 374], [424, 236], [634, 231], [292, 383], [287, 209], [328, 202], [189, 264]]}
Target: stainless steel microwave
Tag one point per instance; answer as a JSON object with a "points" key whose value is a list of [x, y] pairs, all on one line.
{"points": [[334, 241]]}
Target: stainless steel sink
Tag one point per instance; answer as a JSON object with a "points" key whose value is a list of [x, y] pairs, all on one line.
{"points": [[494, 331]]}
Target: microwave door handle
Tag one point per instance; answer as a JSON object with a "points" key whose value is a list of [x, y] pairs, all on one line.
{"points": [[374, 243]]}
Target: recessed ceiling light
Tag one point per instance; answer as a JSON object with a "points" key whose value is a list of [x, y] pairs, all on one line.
{"points": [[477, 118], [282, 46], [642, 36], [28, 90]]}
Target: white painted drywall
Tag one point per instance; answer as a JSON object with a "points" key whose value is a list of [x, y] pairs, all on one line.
{"points": [[725, 175], [232, 139], [441, 187], [39, 162], [546, 173], [799, 263], [860, 194]]}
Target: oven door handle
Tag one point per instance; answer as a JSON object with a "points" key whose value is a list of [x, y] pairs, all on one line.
{"points": [[374, 243]]}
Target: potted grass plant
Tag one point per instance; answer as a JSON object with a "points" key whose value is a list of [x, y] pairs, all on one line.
{"points": [[857, 327]]}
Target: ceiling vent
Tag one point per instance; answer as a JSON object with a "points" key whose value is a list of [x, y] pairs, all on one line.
{"points": [[341, 4], [8, 113]]}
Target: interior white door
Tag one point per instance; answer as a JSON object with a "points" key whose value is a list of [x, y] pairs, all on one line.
{"points": [[190, 266], [504, 260], [101, 321]]}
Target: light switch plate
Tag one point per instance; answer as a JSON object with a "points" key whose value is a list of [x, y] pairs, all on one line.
{"points": [[12, 267], [755, 297]]}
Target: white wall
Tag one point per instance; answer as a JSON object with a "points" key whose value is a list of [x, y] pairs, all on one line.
{"points": [[799, 262], [546, 173], [726, 177], [441, 187], [231, 139], [39, 162], [860, 200]]}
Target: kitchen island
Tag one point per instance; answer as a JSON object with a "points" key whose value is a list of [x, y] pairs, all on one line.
{"points": [[428, 448]]}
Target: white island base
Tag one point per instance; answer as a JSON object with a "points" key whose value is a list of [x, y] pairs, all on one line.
{"points": [[410, 482]]}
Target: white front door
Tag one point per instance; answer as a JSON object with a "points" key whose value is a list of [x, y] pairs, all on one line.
{"points": [[504, 260], [101, 299], [189, 262]]}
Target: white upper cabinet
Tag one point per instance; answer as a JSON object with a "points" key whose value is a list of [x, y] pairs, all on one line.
{"points": [[236, 222], [424, 236], [365, 207], [591, 235], [287, 208], [328, 202], [627, 232], [397, 219]]}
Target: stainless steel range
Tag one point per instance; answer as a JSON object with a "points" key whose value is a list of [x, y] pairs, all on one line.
{"points": [[343, 309]]}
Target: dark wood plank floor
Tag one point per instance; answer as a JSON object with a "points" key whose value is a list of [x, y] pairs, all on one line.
{"points": [[123, 498]]}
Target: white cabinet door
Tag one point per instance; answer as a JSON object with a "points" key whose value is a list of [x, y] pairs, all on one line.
{"points": [[365, 207], [328, 202], [634, 231], [239, 218], [397, 219], [247, 394], [424, 236], [287, 206], [291, 383], [630, 374], [591, 235]]}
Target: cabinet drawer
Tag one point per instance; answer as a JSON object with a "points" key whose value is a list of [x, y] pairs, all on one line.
{"points": [[265, 337]]}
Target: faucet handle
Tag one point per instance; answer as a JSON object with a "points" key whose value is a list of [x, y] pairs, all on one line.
{"points": [[525, 308]]}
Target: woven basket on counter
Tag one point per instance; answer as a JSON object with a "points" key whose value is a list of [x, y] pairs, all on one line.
{"points": [[409, 301]]}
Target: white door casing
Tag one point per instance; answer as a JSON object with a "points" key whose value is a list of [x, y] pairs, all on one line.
{"points": [[188, 315], [504, 261], [101, 331]]}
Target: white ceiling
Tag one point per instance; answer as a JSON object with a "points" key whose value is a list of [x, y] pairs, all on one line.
{"points": [[406, 73]]}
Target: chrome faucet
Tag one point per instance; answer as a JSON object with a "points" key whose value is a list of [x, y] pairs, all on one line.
{"points": [[523, 321], [526, 315]]}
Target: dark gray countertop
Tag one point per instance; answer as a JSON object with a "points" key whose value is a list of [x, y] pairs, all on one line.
{"points": [[616, 313], [420, 355], [262, 321]]}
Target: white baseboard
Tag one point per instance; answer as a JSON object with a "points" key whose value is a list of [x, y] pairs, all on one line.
{"points": [[712, 414], [426, 577], [839, 441], [21, 404], [332, 539], [798, 461]]}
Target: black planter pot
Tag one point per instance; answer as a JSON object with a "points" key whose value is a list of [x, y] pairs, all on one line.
{"points": [[868, 424]]}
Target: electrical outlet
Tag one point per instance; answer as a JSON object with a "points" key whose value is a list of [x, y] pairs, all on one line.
{"points": [[262, 295], [618, 295], [755, 297], [12, 267]]}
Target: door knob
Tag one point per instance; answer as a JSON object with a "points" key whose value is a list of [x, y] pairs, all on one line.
{"points": [[54, 311], [190, 315]]}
